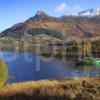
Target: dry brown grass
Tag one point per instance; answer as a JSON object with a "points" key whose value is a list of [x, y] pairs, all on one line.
{"points": [[74, 89]]}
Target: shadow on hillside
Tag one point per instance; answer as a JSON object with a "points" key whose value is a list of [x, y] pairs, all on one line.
{"points": [[33, 97], [38, 97]]}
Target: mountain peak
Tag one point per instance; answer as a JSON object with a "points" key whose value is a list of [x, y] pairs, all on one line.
{"points": [[40, 13]]}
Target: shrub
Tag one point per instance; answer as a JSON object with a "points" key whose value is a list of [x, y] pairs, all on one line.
{"points": [[3, 73]]}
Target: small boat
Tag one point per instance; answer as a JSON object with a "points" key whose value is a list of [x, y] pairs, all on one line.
{"points": [[93, 62]]}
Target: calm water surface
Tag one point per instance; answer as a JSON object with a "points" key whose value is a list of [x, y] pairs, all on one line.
{"points": [[29, 66]]}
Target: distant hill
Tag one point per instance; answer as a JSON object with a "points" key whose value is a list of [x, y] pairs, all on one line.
{"points": [[66, 26]]}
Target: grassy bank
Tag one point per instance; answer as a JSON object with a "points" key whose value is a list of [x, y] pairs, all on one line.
{"points": [[59, 89]]}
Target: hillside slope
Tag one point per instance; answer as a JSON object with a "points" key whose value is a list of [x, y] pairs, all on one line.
{"points": [[81, 27]]}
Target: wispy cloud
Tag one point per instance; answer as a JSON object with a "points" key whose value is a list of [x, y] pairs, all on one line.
{"points": [[68, 9], [19, 18], [74, 9], [61, 7]]}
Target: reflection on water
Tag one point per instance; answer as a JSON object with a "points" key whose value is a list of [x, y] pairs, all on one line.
{"points": [[23, 67]]}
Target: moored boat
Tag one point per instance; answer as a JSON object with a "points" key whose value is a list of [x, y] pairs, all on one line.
{"points": [[93, 62]]}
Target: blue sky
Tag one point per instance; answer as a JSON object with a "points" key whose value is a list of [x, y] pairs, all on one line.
{"points": [[15, 11]]}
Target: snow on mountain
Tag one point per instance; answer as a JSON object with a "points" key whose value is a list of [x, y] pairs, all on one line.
{"points": [[90, 12], [40, 12], [97, 11]]}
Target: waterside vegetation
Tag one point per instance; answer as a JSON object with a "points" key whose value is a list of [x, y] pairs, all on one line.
{"points": [[57, 89]]}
